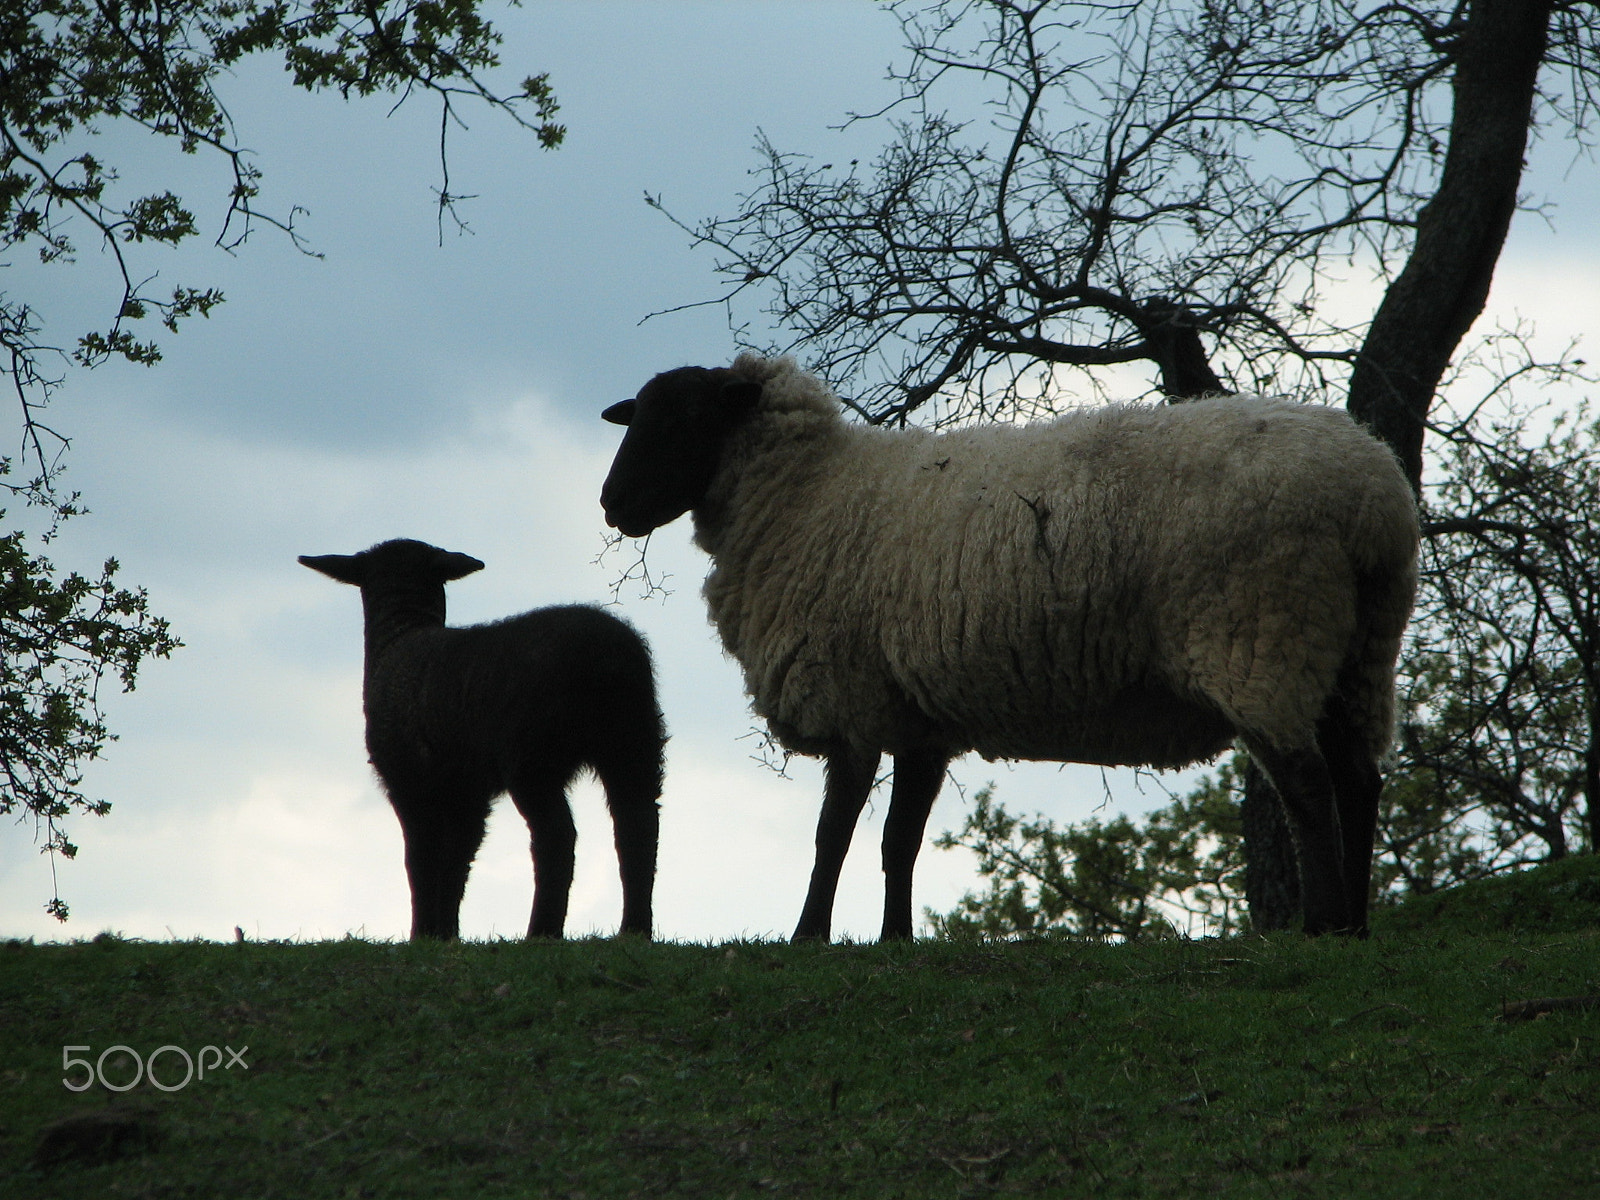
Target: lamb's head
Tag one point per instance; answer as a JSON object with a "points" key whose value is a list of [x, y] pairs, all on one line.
{"points": [[677, 425], [401, 564]]}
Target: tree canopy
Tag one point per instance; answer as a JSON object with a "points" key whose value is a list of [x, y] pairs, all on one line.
{"points": [[1067, 187], [69, 71], [1205, 195]]}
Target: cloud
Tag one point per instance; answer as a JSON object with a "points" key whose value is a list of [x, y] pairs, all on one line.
{"points": [[240, 788]]}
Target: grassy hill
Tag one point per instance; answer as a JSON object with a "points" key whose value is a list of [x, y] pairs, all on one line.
{"points": [[1247, 1067]]}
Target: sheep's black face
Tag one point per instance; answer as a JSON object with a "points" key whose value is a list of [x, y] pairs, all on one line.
{"points": [[677, 427]]}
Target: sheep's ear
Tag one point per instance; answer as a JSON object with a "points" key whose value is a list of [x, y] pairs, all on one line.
{"points": [[620, 413], [455, 566], [739, 396], [346, 568]]}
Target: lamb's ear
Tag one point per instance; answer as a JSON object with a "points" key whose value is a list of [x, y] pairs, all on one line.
{"points": [[346, 568], [739, 396], [455, 566], [620, 413]]}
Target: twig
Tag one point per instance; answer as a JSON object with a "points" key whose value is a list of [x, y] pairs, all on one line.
{"points": [[1527, 1010]]}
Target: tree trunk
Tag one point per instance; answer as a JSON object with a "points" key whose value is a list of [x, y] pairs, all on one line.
{"points": [[1591, 776], [1445, 283], [1174, 344], [1425, 313]]}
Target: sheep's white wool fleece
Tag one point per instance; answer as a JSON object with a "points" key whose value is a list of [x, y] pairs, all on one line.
{"points": [[1130, 584]]}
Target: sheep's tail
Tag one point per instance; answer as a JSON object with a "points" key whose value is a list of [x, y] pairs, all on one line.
{"points": [[1386, 588], [629, 758]]}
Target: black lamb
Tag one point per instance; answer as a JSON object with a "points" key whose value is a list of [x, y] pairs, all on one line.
{"points": [[457, 716]]}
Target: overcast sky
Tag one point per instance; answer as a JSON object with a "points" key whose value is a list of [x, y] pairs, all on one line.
{"points": [[399, 387]]}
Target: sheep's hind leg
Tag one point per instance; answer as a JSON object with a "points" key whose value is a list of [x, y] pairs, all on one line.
{"points": [[554, 847], [636, 819], [1357, 787], [1305, 784], [850, 775], [917, 779]]}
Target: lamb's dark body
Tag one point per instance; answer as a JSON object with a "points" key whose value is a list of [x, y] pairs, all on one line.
{"points": [[457, 716]]}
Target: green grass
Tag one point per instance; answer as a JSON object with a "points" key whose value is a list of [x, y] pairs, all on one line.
{"points": [[1262, 1067]]}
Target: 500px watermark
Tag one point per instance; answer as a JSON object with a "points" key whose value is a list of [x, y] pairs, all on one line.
{"points": [[146, 1066]]}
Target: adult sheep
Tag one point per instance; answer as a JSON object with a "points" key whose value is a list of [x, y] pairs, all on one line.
{"points": [[457, 716], [1128, 585]]}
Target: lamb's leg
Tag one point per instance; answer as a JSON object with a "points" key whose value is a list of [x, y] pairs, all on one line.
{"points": [[636, 819], [917, 779], [424, 870], [1305, 785], [1357, 787], [555, 841], [850, 775], [442, 836]]}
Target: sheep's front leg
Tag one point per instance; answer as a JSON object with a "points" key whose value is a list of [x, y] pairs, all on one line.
{"points": [[850, 775], [431, 878], [917, 779], [442, 833]]}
